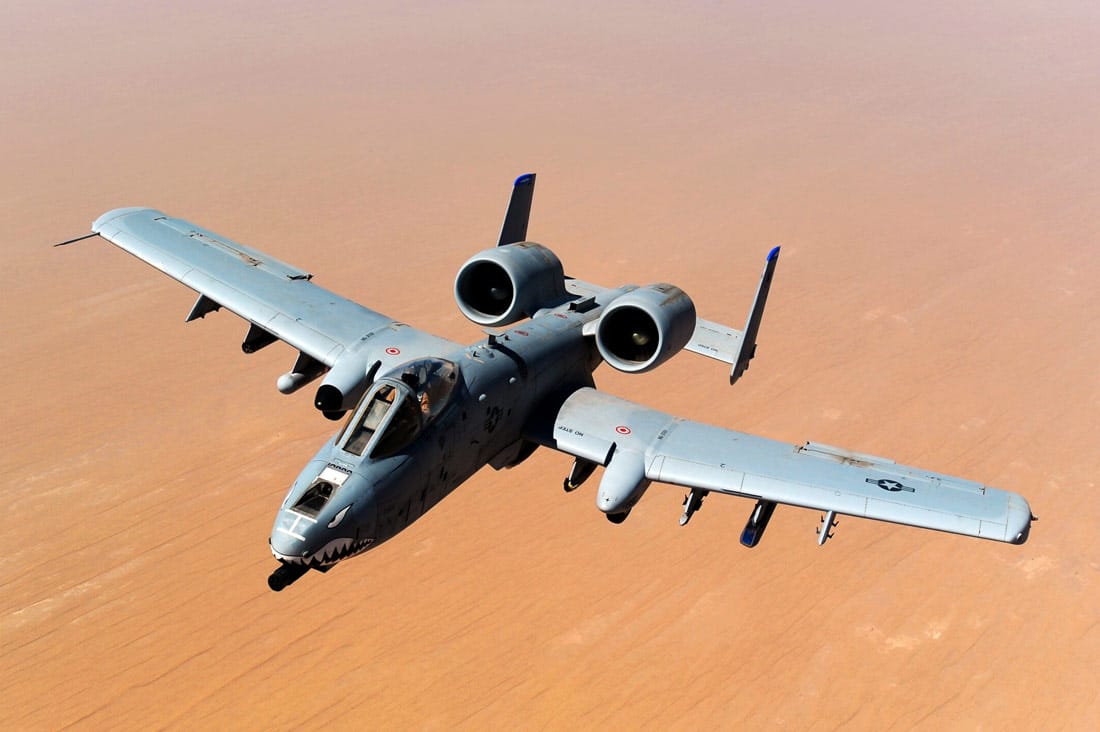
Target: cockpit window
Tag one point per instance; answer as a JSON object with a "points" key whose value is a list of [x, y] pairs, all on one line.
{"points": [[314, 499], [369, 419], [320, 491], [398, 407], [433, 380], [401, 430]]}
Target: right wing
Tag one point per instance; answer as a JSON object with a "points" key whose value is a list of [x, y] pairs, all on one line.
{"points": [[637, 444], [276, 298]]}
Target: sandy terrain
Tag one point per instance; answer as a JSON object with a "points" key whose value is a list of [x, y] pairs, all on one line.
{"points": [[933, 176]]}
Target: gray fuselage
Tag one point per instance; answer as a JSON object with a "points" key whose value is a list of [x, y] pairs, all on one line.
{"points": [[503, 388]]}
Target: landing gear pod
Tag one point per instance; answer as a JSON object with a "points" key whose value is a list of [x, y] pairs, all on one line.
{"points": [[622, 485], [345, 384], [305, 370]]}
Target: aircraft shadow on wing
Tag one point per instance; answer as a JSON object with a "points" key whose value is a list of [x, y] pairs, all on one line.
{"points": [[423, 413]]}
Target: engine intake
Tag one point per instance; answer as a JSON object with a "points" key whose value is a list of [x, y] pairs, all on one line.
{"points": [[502, 285], [642, 329]]}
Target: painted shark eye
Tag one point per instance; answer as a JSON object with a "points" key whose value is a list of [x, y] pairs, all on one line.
{"points": [[338, 517]]}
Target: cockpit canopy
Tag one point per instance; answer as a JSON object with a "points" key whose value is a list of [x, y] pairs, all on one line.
{"points": [[398, 407]]}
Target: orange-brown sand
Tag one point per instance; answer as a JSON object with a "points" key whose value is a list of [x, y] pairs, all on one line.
{"points": [[932, 173]]}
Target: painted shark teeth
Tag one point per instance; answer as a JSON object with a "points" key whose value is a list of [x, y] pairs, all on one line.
{"points": [[331, 553]]}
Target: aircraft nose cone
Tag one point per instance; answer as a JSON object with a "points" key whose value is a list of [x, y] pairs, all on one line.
{"points": [[287, 551], [287, 544], [315, 545]]}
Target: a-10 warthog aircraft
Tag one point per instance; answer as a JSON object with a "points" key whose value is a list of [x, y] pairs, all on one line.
{"points": [[427, 413]]}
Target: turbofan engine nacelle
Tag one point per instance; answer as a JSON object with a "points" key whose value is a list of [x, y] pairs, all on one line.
{"points": [[344, 384], [502, 285], [644, 328]]}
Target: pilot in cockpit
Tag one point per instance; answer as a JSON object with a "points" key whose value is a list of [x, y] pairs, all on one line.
{"points": [[410, 378]]}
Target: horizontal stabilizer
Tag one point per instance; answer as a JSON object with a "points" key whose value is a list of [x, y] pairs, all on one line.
{"points": [[716, 341]]}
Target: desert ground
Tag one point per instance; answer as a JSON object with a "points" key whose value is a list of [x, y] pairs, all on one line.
{"points": [[932, 173]]}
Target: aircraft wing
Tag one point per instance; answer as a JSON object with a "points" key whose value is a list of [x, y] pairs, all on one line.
{"points": [[604, 429], [273, 296]]}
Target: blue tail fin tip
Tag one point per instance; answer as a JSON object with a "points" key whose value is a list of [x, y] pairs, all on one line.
{"points": [[524, 179], [773, 254]]}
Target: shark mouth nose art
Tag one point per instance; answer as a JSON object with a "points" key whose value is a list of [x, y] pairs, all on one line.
{"points": [[329, 554]]}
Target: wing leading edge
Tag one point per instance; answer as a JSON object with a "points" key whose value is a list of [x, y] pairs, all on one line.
{"points": [[602, 428], [272, 295]]}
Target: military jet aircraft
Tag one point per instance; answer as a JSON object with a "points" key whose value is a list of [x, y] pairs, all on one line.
{"points": [[427, 413]]}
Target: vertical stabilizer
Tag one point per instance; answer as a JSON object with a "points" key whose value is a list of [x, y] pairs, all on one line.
{"points": [[748, 341], [519, 211]]}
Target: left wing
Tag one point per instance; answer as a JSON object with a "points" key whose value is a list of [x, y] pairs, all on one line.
{"points": [[637, 444], [270, 294], [332, 333]]}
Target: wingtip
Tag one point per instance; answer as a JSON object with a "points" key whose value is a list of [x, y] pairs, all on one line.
{"points": [[773, 254], [525, 179], [99, 224]]}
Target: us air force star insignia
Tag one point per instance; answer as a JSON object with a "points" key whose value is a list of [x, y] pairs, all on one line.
{"points": [[890, 485]]}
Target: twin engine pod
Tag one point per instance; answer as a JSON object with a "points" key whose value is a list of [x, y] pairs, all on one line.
{"points": [[502, 285], [637, 332], [642, 329]]}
